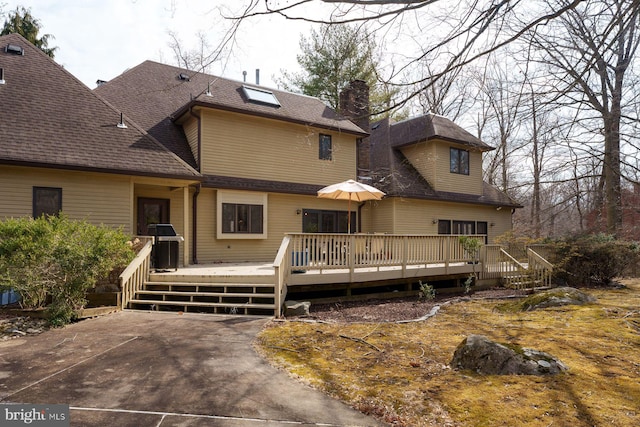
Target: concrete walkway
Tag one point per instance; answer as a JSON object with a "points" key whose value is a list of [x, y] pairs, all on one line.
{"points": [[162, 369]]}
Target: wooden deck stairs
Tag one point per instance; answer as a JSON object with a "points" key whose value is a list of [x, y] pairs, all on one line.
{"points": [[252, 295]]}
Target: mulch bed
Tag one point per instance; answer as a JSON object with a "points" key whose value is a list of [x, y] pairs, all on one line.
{"points": [[394, 309]]}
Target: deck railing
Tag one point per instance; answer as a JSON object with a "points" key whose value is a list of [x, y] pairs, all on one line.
{"points": [[316, 251], [282, 270], [324, 253], [539, 268], [133, 277], [500, 264]]}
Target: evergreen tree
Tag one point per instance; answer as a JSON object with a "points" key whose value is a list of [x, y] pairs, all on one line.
{"points": [[22, 22], [331, 58]]}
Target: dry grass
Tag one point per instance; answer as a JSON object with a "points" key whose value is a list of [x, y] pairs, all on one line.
{"points": [[400, 373]]}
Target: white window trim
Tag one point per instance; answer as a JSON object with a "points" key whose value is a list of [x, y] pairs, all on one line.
{"points": [[241, 197]]}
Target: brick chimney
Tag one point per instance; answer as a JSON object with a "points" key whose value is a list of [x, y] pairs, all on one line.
{"points": [[354, 104]]}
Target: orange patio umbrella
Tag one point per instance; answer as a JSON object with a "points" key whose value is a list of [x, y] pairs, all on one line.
{"points": [[350, 190]]}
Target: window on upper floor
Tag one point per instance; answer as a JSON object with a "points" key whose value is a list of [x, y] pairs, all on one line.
{"points": [[46, 201], [325, 147], [459, 161]]}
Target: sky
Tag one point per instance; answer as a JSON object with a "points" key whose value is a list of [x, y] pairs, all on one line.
{"points": [[100, 39]]}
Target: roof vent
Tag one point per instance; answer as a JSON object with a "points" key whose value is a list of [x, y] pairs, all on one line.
{"points": [[16, 50], [122, 124], [100, 82], [2, 76], [208, 92], [184, 77]]}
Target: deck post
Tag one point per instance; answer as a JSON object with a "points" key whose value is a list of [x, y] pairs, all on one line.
{"points": [[447, 255], [405, 255], [352, 256]]}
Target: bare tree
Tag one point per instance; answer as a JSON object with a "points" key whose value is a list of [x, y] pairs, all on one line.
{"points": [[588, 52], [450, 96], [502, 95], [466, 31], [198, 59]]}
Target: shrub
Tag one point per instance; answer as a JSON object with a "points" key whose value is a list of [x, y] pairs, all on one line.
{"points": [[427, 292], [471, 246], [594, 259], [57, 260]]}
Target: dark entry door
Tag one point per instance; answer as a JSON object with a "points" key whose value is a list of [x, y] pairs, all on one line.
{"points": [[151, 211]]}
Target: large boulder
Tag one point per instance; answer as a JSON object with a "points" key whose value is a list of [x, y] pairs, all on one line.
{"points": [[480, 354], [557, 297], [296, 308]]}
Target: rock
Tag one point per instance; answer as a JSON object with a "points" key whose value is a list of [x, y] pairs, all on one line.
{"points": [[295, 308], [15, 327], [557, 297], [478, 353]]}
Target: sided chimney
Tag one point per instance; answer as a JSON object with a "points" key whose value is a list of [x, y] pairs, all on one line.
{"points": [[354, 104]]}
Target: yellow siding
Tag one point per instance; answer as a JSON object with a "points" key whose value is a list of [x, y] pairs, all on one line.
{"points": [[423, 157], [190, 127], [253, 147], [283, 218], [378, 217], [432, 158], [418, 216], [454, 182], [97, 198]]}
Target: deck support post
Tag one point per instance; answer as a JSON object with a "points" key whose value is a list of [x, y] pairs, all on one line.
{"points": [[405, 257]]}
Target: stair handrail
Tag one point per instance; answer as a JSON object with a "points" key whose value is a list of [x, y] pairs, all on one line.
{"points": [[137, 272], [539, 268], [520, 269], [282, 270]]}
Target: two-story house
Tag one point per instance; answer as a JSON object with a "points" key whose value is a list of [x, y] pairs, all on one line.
{"points": [[232, 165]]}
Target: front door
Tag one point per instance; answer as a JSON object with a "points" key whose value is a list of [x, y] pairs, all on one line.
{"points": [[151, 211]]}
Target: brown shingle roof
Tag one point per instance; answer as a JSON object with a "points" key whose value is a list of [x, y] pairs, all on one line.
{"points": [[432, 126], [50, 119], [152, 94], [394, 174]]}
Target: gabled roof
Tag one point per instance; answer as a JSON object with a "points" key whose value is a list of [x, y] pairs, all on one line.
{"points": [[393, 173], [432, 126], [155, 95], [50, 119]]}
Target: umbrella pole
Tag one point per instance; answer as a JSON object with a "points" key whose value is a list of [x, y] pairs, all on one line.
{"points": [[349, 216]]}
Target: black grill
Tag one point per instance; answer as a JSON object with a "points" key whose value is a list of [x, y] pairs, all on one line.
{"points": [[166, 245]]}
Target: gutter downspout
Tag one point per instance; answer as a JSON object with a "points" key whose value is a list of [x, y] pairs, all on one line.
{"points": [[359, 223], [194, 238]]}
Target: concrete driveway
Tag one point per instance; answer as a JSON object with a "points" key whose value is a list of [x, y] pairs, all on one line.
{"points": [[162, 369]]}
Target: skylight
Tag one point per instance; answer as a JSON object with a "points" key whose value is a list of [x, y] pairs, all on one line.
{"points": [[261, 96]]}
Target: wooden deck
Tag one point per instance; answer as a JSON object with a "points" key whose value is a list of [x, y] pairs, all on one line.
{"points": [[317, 261]]}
